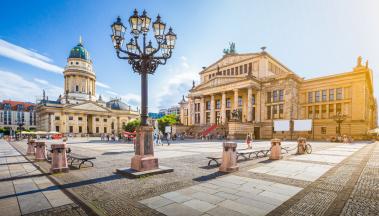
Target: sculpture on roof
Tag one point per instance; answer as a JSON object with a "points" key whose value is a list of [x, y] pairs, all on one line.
{"points": [[231, 50]]}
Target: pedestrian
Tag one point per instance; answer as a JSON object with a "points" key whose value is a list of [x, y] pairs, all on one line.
{"points": [[248, 141], [159, 139], [108, 137], [168, 136]]}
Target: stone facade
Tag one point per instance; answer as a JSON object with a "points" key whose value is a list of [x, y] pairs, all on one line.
{"points": [[78, 111], [262, 90], [14, 112]]}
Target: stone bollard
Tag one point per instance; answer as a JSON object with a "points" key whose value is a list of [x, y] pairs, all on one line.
{"points": [[229, 157], [276, 149], [301, 145], [31, 148], [40, 151], [58, 158]]}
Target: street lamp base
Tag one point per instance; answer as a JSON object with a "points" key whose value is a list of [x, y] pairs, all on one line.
{"points": [[144, 159]]}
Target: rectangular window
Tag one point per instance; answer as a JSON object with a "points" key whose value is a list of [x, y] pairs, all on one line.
{"points": [[224, 72], [317, 111], [80, 129], [268, 99], [331, 109], [105, 129], [228, 103], [232, 71], [250, 68], [275, 96], [57, 128], [239, 101], [236, 69], [310, 112], [268, 112], [317, 96], [245, 68], [339, 94], [310, 97], [323, 95], [57, 118], [253, 99], [241, 67], [338, 108], [275, 109], [331, 94], [228, 72], [80, 118], [323, 130], [208, 103], [281, 111], [105, 120], [218, 104], [209, 76], [71, 118], [281, 97], [97, 119], [253, 113], [71, 128], [97, 129], [208, 117]]}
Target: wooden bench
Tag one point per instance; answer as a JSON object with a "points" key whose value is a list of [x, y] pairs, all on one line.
{"points": [[79, 158], [215, 159]]}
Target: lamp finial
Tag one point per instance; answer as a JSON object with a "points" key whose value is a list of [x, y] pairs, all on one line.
{"points": [[80, 39]]}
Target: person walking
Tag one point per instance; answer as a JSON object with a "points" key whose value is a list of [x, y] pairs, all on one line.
{"points": [[159, 141], [168, 136], [248, 141]]}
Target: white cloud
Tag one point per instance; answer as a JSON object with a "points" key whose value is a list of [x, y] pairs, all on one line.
{"points": [[103, 85], [27, 56], [131, 99], [15, 87], [111, 92], [41, 81], [178, 84]]}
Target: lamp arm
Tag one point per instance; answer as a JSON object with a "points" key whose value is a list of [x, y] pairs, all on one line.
{"points": [[155, 51], [121, 57], [128, 53], [138, 48]]}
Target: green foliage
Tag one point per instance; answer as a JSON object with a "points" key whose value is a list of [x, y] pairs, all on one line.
{"points": [[5, 131], [167, 120], [132, 125]]}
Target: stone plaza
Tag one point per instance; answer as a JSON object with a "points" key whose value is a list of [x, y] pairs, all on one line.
{"points": [[336, 179]]}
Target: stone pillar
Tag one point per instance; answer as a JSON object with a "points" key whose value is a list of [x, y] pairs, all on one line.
{"points": [[275, 149], [31, 148], [192, 111], [144, 150], [213, 113], [40, 151], [235, 101], [58, 158], [249, 104], [229, 157], [258, 106], [202, 110], [223, 108]]}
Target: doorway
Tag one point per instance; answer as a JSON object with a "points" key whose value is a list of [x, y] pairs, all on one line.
{"points": [[257, 133]]}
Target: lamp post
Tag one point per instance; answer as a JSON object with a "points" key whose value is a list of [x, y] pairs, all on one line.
{"points": [[339, 118], [144, 60], [20, 124]]}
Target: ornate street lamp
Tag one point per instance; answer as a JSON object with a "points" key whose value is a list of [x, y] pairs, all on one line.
{"points": [[339, 118], [144, 60]]}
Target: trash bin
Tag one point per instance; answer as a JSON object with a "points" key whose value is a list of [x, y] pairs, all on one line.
{"points": [[58, 158], [229, 157], [275, 149], [40, 151]]}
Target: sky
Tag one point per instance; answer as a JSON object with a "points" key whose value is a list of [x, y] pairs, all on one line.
{"points": [[312, 38]]}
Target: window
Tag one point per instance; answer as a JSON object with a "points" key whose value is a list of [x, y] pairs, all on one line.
{"points": [[208, 105], [331, 108], [218, 104], [323, 95], [331, 94], [253, 99], [97, 129], [253, 113], [239, 100], [268, 97], [57, 118], [281, 110], [323, 130], [228, 103], [274, 109], [236, 69], [57, 128], [281, 98], [105, 120], [310, 112], [310, 97], [97, 119], [105, 129], [80, 129], [77, 88], [241, 67], [317, 96], [80, 118], [71, 129], [268, 112], [224, 72], [317, 111], [338, 108], [112, 125], [245, 68], [339, 94], [228, 72], [77, 63], [275, 96], [250, 68], [208, 117], [209, 76], [232, 71], [70, 118]]}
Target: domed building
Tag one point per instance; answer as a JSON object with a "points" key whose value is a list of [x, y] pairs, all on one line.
{"points": [[78, 111]]}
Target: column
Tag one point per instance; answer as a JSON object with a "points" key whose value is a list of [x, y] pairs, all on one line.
{"points": [[249, 104], [202, 110], [191, 113], [213, 113], [235, 101], [258, 106], [223, 106]]}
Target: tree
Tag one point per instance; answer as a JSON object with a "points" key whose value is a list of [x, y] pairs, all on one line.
{"points": [[167, 120], [132, 125]]}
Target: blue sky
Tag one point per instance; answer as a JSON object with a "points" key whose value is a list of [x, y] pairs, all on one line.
{"points": [[313, 38]]}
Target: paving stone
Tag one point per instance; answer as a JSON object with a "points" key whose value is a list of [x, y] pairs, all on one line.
{"points": [[175, 209], [33, 203], [207, 197], [226, 195], [221, 211], [6, 188], [9, 206], [203, 189], [156, 202], [241, 208], [199, 205], [264, 207], [57, 198], [176, 197], [26, 187]]}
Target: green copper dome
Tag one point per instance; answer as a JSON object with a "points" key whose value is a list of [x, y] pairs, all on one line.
{"points": [[79, 52]]}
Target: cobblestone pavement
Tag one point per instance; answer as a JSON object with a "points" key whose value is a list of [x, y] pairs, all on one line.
{"points": [[194, 188], [25, 190]]}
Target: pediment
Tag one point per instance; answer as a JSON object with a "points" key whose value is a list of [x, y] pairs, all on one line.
{"points": [[230, 59], [217, 81], [89, 107]]}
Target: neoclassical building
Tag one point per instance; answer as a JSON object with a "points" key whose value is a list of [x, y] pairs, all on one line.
{"points": [[262, 89], [78, 111]]}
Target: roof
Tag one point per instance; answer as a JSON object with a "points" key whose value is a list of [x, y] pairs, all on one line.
{"points": [[14, 104], [79, 52], [117, 104]]}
